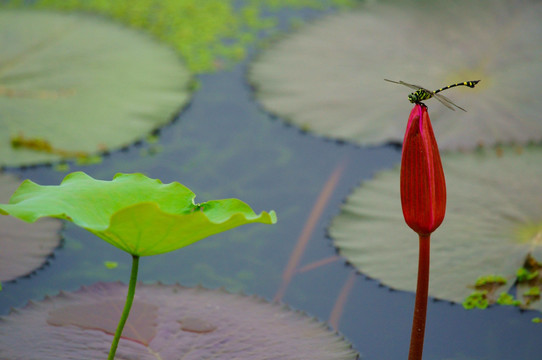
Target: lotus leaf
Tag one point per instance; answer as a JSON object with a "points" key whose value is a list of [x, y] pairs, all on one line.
{"points": [[493, 225], [167, 322], [137, 214], [73, 85], [328, 77]]}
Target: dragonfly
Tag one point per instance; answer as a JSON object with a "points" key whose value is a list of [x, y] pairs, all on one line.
{"points": [[422, 93]]}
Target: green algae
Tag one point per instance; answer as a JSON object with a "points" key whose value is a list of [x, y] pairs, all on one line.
{"points": [[490, 280], [524, 275], [507, 300], [111, 264], [528, 282], [478, 299]]}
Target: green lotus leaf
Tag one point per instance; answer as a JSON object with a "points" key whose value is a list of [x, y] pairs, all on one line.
{"points": [[137, 214], [493, 226], [72, 86]]}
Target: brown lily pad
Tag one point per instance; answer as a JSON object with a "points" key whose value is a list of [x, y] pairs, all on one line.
{"points": [[103, 316], [166, 322], [24, 247]]}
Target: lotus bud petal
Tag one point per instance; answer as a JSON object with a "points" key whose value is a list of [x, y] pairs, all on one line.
{"points": [[423, 188]]}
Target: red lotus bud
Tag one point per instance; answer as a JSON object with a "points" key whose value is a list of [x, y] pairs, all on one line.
{"points": [[423, 188]]}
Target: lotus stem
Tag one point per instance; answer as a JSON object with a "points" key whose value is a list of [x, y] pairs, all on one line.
{"points": [[420, 307], [127, 306]]}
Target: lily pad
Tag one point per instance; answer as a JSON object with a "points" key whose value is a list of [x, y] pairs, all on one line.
{"points": [[23, 247], [137, 214], [328, 77], [209, 35], [493, 224], [166, 322], [73, 85]]}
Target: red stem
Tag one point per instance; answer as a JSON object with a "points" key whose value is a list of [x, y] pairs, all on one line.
{"points": [[420, 307]]}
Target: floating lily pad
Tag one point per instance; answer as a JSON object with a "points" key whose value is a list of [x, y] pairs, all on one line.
{"points": [[328, 77], [74, 85], [493, 223], [23, 247], [137, 214], [209, 35], [166, 322]]}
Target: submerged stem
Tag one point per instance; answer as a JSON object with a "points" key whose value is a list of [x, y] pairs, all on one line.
{"points": [[127, 306], [420, 307]]}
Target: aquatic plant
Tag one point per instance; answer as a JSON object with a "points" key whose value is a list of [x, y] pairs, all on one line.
{"points": [[167, 322], [136, 214], [492, 226], [423, 199], [208, 34], [342, 96], [25, 247], [83, 64]]}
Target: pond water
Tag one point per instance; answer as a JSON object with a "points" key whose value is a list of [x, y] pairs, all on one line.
{"points": [[224, 145]]}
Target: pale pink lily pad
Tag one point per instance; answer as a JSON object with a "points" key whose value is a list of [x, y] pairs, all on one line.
{"points": [[23, 247], [166, 322]]}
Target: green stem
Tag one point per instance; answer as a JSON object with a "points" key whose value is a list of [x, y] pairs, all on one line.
{"points": [[127, 306], [420, 307]]}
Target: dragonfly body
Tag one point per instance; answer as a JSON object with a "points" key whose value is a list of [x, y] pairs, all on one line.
{"points": [[422, 94]]}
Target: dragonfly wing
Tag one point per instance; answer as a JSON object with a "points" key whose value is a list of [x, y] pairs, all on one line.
{"points": [[443, 99], [415, 87], [412, 86], [395, 82], [447, 102]]}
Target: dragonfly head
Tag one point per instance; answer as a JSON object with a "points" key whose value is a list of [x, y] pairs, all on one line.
{"points": [[413, 98]]}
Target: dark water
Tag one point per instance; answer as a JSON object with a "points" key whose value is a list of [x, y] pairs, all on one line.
{"points": [[223, 145]]}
